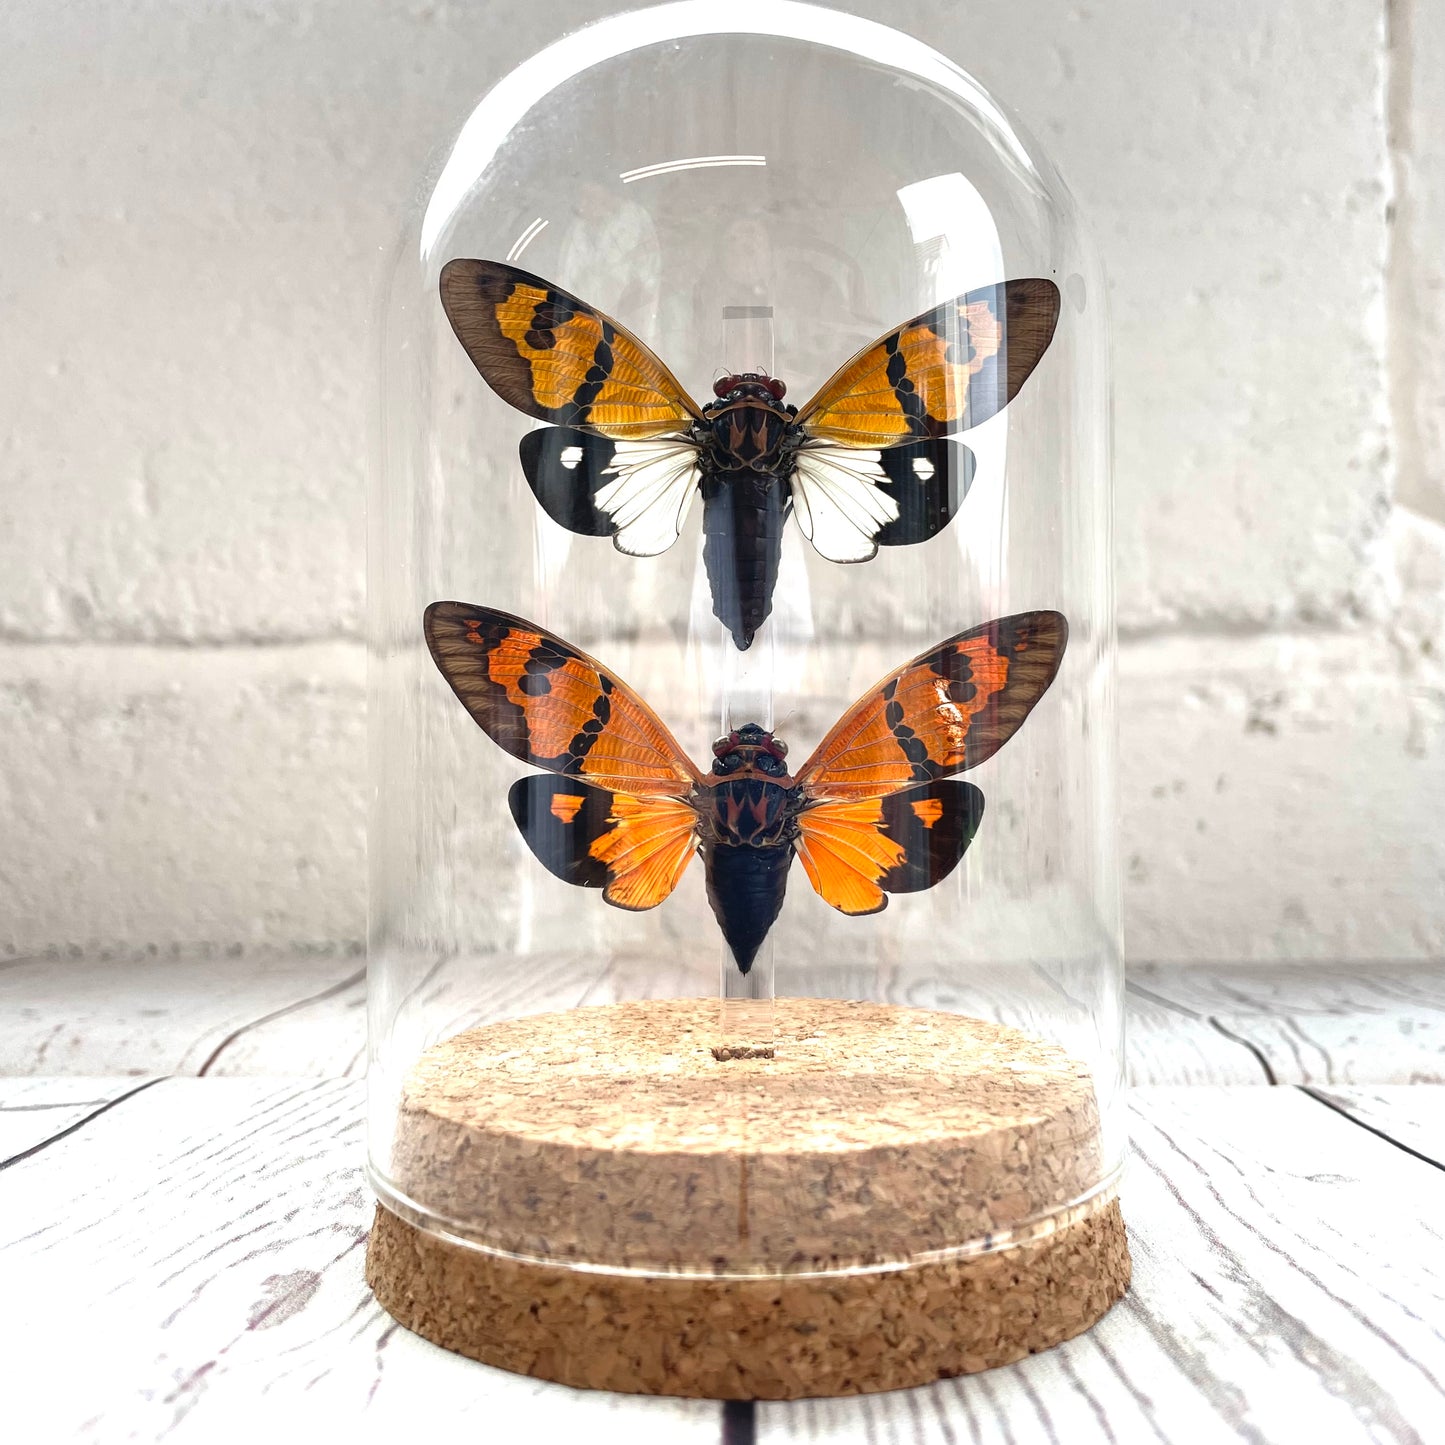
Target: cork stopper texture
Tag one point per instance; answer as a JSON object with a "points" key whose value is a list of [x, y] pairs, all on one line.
{"points": [[779, 1338], [890, 1199], [612, 1136]]}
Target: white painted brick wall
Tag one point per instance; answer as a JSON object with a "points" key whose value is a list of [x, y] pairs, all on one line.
{"points": [[196, 201], [1418, 290]]}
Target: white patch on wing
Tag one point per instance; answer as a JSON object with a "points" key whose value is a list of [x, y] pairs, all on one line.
{"points": [[839, 506], [656, 481]]}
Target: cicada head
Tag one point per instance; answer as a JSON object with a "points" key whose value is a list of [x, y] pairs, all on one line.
{"points": [[750, 747]]}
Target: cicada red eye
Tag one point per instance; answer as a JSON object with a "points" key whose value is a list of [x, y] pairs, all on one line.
{"points": [[779, 389]]}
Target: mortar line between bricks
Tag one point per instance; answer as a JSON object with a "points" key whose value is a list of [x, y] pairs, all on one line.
{"points": [[1199, 628], [1400, 280], [241, 643], [1220, 629]]}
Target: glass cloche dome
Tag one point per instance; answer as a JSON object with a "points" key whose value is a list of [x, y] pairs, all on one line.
{"points": [[744, 900]]}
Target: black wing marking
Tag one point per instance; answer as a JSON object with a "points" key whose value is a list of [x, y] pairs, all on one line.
{"points": [[561, 819], [564, 468], [929, 480], [933, 825]]}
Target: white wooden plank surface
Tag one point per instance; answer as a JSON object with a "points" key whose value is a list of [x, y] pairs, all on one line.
{"points": [[305, 1017], [1168, 1045], [188, 1267], [1410, 1115], [181, 1015], [1319, 1023], [198, 1247], [1289, 1287], [33, 1110]]}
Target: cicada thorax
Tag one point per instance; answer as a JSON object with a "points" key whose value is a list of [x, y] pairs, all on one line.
{"points": [[749, 439], [750, 812], [748, 427], [747, 826]]}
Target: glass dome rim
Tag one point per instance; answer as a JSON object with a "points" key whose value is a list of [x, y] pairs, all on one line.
{"points": [[463, 161]]}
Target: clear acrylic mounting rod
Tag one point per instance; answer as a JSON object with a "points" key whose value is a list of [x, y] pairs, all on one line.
{"points": [[746, 1012], [748, 681], [748, 339]]}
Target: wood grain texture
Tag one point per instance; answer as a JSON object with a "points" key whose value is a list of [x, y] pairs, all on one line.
{"points": [[36, 1110], [289, 1016], [305, 1018], [1288, 1287], [1317, 1023], [199, 1246], [1163, 1044], [1410, 1117]]}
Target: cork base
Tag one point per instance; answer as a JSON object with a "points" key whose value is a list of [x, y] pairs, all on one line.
{"points": [[756, 1227], [775, 1338]]}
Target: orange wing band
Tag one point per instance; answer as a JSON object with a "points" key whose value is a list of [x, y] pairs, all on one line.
{"points": [[550, 705], [947, 710], [844, 854], [647, 849], [945, 370], [556, 358]]}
